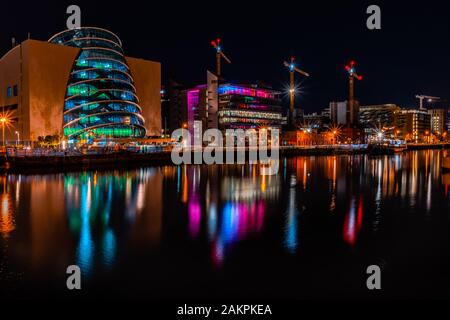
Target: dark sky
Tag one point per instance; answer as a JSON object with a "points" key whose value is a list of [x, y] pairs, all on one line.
{"points": [[410, 55]]}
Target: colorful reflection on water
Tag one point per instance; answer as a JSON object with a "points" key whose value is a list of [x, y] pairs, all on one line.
{"points": [[100, 220]]}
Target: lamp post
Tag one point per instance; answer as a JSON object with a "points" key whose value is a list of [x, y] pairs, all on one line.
{"points": [[3, 121], [18, 138]]}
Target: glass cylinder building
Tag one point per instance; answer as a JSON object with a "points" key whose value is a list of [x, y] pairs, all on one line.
{"points": [[101, 100]]}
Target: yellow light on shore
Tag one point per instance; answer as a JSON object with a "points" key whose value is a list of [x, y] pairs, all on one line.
{"points": [[5, 120]]}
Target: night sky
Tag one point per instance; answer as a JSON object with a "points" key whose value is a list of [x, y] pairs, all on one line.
{"points": [[409, 55]]}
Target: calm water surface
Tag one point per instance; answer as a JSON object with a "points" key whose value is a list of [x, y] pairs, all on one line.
{"points": [[226, 231]]}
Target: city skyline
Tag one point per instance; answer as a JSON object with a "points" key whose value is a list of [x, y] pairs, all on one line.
{"points": [[335, 34], [224, 159]]}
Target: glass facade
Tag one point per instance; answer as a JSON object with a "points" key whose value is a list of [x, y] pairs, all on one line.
{"points": [[101, 99], [249, 107]]}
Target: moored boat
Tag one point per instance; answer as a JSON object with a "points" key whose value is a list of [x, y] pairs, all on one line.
{"points": [[386, 148]]}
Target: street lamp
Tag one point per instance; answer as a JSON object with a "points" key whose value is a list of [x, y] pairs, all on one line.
{"points": [[3, 122], [380, 136], [18, 138]]}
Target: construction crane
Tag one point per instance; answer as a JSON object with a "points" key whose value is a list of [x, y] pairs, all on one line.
{"points": [[422, 97], [352, 75], [219, 55], [292, 70]]}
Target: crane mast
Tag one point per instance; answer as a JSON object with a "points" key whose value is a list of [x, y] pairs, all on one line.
{"points": [[292, 70]]}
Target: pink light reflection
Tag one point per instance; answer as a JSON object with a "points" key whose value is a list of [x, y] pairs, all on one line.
{"points": [[353, 222]]}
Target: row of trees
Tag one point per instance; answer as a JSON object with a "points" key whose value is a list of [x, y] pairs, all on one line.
{"points": [[48, 141]]}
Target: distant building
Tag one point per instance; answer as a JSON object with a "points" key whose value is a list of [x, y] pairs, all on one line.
{"points": [[380, 116], [416, 125], [326, 113], [438, 121], [249, 107], [196, 104], [316, 121], [385, 117], [225, 106], [341, 114], [299, 116], [338, 112], [448, 120], [172, 112]]}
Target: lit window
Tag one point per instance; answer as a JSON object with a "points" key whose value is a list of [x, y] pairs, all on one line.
{"points": [[9, 92]]}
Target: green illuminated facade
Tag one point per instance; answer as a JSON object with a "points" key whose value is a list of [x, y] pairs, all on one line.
{"points": [[101, 100]]}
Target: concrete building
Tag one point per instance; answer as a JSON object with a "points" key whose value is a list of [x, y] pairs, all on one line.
{"points": [[438, 121], [416, 125], [342, 114], [81, 86], [379, 116], [338, 112]]}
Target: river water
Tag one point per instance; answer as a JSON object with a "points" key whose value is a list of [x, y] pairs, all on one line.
{"points": [[227, 232]]}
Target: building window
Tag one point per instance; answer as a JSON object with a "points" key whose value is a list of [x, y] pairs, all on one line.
{"points": [[9, 92], [15, 90]]}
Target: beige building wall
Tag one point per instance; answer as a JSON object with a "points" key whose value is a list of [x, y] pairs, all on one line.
{"points": [[147, 80], [46, 70], [10, 76], [41, 71]]}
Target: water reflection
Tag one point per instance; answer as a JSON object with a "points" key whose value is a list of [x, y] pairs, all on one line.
{"points": [[291, 229], [231, 199], [7, 222], [93, 201], [97, 219], [353, 221]]}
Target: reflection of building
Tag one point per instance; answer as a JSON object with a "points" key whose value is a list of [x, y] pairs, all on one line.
{"points": [[438, 120], [416, 124], [79, 84], [94, 201]]}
